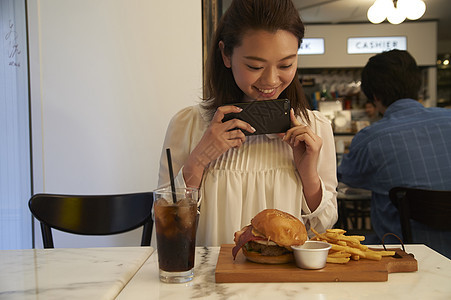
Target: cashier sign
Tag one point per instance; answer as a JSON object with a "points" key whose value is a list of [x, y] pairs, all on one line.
{"points": [[376, 44]]}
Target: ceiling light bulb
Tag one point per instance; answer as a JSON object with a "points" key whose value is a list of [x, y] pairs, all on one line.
{"points": [[413, 9], [377, 12], [395, 15], [374, 15]]}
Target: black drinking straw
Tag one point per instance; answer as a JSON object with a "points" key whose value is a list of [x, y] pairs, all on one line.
{"points": [[171, 175]]}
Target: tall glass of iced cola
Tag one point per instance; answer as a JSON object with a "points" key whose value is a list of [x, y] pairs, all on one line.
{"points": [[175, 216]]}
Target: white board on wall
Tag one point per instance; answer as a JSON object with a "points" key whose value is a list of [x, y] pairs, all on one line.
{"points": [[421, 43], [111, 74]]}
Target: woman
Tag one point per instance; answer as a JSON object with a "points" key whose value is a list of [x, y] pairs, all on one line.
{"points": [[253, 57]]}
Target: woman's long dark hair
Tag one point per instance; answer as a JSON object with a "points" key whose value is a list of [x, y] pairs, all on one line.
{"points": [[243, 15]]}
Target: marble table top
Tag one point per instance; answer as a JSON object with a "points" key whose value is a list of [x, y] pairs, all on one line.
{"points": [[431, 281], [63, 273]]}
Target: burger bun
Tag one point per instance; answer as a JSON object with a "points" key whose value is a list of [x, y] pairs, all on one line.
{"points": [[281, 227]]}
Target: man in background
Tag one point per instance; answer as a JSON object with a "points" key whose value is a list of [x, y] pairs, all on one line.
{"points": [[409, 147], [371, 112]]}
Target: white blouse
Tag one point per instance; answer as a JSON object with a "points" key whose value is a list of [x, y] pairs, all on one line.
{"points": [[242, 182]]}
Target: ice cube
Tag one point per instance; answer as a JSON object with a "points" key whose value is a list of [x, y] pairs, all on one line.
{"points": [[187, 215], [162, 202], [164, 216], [184, 202], [171, 231]]}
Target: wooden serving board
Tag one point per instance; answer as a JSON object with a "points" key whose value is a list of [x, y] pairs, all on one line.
{"points": [[242, 270]]}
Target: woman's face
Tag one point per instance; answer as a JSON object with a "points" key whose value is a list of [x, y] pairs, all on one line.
{"points": [[264, 64]]}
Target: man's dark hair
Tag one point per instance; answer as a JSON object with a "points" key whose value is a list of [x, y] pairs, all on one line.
{"points": [[391, 76]]}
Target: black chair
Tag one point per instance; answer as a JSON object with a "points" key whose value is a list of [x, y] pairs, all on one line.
{"points": [[354, 208], [429, 207], [93, 214]]}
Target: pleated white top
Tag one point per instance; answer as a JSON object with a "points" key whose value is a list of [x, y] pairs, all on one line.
{"points": [[242, 182]]}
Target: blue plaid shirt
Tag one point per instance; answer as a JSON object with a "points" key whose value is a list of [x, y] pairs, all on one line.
{"points": [[410, 146]]}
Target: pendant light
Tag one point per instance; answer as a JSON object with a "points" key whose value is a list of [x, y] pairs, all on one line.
{"points": [[396, 11]]}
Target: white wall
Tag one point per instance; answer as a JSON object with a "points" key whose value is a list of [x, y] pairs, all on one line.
{"points": [[106, 77]]}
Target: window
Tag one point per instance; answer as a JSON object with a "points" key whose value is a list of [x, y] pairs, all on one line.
{"points": [[15, 170]]}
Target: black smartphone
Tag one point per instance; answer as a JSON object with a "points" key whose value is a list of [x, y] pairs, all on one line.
{"points": [[266, 116]]}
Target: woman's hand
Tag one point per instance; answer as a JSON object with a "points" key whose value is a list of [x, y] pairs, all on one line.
{"points": [[306, 147], [217, 139]]}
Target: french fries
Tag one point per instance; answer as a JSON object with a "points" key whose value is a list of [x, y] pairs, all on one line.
{"points": [[345, 248], [337, 260]]}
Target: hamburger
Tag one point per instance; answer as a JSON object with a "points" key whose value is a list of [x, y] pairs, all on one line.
{"points": [[269, 237]]}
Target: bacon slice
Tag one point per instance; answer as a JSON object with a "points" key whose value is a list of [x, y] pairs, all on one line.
{"points": [[242, 237]]}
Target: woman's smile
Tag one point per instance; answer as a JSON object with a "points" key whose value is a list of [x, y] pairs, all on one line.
{"points": [[267, 92]]}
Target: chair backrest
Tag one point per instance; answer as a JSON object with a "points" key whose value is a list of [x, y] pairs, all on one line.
{"points": [[93, 214], [429, 207]]}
